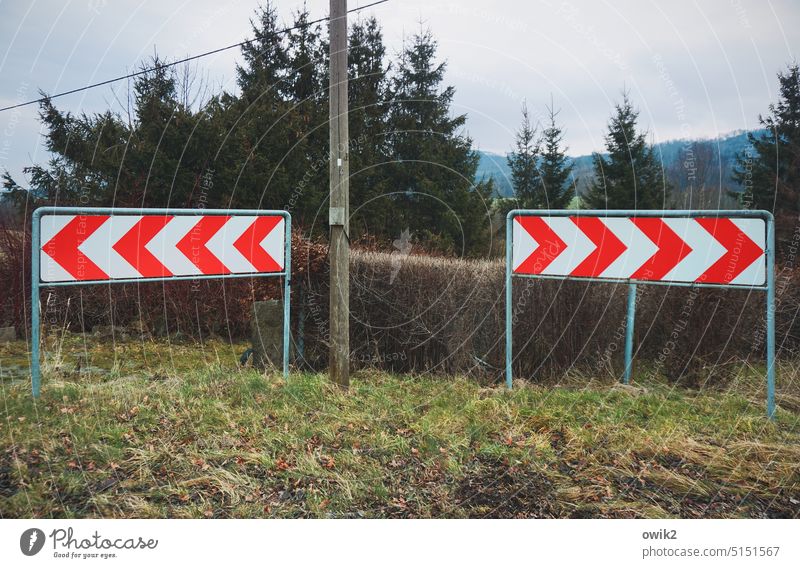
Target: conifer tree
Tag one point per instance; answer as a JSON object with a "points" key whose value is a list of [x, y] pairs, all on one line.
{"points": [[367, 94], [524, 165], [266, 57], [555, 168], [261, 131], [629, 177], [306, 119], [434, 164], [153, 158]]}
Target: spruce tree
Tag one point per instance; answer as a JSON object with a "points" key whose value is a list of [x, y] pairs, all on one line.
{"points": [[154, 157], [265, 55], [629, 177], [434, 165], [306, 119], [261, 132], [523, 162], [555, 168], [769, 170], [367, 94]]}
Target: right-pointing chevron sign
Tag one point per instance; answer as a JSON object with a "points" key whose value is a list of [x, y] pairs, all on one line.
{"points": [[707, 250]]}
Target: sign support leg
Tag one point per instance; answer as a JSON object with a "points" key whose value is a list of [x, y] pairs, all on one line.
{"points": [[629, 333], [287, 290], [509, 310], [35, 368], [35, 323], [770, 319]]}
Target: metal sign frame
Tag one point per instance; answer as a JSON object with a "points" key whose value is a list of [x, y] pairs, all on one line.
{"points": [[36, 282], [769, 287]]}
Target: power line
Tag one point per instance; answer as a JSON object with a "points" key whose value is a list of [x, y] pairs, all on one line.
{"points": [[191, 58]]}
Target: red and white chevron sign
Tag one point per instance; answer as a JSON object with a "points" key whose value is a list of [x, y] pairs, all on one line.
{"points": [[710, 250], [108, 247]]}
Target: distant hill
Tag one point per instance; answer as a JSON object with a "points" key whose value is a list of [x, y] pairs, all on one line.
{"points": [[495, 166], [687, 163]]}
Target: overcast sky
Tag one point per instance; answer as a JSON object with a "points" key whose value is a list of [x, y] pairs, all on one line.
{"points": [[694, 68]]}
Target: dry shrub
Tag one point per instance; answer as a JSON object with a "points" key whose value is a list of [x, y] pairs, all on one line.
{"points": [[15, 254], [419, 314]]}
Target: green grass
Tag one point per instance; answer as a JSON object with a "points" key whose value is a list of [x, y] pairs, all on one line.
{"points": [[179, 431]]}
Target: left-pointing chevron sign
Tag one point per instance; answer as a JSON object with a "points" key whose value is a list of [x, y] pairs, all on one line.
{"points": [[109, 247], [707, 250]]}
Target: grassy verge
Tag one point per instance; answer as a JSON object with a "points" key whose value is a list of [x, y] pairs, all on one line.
{"points": [[180, 431]]}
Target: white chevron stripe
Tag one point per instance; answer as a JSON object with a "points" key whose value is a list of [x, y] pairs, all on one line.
{"points": [[221, 244], [51, 225], [640, 248], [523, 242], [579, 246], [274, 242], [49, 269], [756, 273], [706, 250], [163, 245], [98, 247]]}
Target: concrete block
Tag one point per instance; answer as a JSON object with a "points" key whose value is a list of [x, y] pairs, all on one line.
{"points": [[266, 334]]}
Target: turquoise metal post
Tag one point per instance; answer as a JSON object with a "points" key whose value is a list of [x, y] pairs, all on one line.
{"points": [[509, 311], [36, 379], [770, 318], [631, 317], [287, 290]]}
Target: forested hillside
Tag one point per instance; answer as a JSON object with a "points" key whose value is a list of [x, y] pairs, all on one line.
{"points": [[706, 165]]}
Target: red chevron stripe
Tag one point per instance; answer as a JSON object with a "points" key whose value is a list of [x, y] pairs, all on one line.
{"points": [[740, 253], [193, 244], [671, 249], [63, 247], [131, 246], [549, 244], [249, 244], [609, 247]]}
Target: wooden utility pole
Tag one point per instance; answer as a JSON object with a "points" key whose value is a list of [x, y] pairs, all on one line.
{"points": [[339, 211]]}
